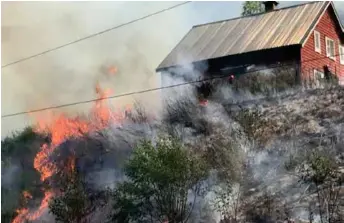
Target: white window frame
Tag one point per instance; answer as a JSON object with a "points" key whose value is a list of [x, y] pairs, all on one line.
{"points": [[316, 75], [317, 37], [341, 54], [328, 53], [321, 74]]}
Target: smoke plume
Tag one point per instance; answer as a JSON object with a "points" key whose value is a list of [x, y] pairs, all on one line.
{"points": [[69, 74]]}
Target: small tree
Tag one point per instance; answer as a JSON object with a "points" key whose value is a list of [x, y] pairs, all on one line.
{"points": [[163, 183], [323, 173], [76, 201], [250, 7], [228, 202]]}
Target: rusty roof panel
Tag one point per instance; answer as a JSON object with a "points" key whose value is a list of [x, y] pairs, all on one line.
{"points": [[282, 27]]}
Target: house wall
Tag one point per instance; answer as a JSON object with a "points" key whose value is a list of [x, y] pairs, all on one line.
{"points": [[311, 60]]}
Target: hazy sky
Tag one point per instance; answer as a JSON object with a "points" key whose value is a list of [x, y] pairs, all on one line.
{"points": [[69, 74]]}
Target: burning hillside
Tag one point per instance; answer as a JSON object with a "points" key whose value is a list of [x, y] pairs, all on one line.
{"points": [[60, 130], [247, 147]]}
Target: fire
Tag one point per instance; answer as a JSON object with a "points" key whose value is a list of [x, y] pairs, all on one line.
{"points": [[23, 214], [71, 164], [27, 195], [112, 70], [100, 111], [44, 204], [21, 217], [60, 129], [203, 102]]}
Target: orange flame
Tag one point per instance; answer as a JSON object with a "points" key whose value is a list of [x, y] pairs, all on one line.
{"points": [[203, 102], [112, 70], [101, 112], [27, 195], [62, 128], [71, 164], [23, 214]]}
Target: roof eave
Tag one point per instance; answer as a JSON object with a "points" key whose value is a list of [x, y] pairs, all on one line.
{"points": [[162, 62], [161, 69]]}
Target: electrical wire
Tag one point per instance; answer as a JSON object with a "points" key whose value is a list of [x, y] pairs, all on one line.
{"points": [[145, 91], [94, 35], [125, 94]]}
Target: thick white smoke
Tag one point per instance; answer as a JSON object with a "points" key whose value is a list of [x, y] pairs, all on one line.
{"points": [[69, 74]]}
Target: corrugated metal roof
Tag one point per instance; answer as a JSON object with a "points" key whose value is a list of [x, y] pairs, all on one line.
{"points": [[281, 27]]}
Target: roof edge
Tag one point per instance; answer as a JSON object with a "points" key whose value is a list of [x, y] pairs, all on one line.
{"points": [[159, 67], [312, 27], [337, 16], [315, 22], [241, 17]]}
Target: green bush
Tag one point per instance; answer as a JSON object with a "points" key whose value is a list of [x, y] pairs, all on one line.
{"points": [[160, 181]]}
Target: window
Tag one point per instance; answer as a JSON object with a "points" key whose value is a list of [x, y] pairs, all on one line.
{"points": [[341, 54], [318, 77], [318, 74], [317, 43], [330, 50]]}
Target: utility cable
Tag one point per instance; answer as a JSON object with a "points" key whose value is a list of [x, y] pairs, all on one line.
{"points": [[149, 90], [137, 92]]}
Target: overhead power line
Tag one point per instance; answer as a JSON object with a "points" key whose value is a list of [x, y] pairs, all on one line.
{"points": [[126, 94], [94, 35], [105, 98], [147, 90]]}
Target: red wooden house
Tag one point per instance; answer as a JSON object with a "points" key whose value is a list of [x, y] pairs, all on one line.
{"points": [[308, 35]]}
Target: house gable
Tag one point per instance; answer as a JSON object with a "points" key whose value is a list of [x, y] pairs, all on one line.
{"points": [[329, 28], [334, 16]]}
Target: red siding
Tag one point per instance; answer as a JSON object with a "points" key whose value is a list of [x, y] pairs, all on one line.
{"points": [[309, 58]]}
